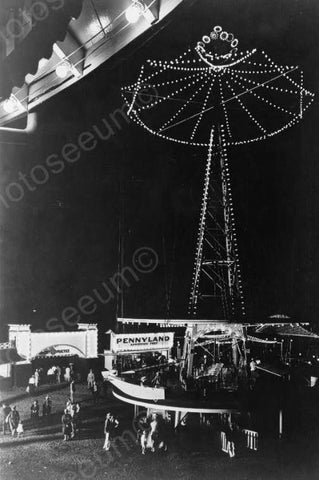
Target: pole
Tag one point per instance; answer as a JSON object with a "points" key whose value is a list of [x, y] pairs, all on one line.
{"points": [[177, 418], [280, 423], [235, 352], [282, 350]]}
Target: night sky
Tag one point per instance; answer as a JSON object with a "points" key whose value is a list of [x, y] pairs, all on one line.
{"points": [[61, 241]]}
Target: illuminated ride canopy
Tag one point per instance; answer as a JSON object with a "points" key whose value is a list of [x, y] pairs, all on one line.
{"points": [[215, 83]]}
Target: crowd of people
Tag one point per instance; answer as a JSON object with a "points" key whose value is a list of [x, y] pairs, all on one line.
{"points": [[54, 375], [153, 433], [11, 422]]}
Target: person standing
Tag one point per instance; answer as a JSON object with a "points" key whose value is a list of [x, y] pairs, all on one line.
{"points": [[49, 374], [75, 414], [90, 379], [47, 406], [110, 425], [107, 427], [66, 425], [20, 429], [154, 432], [143, 441], [54, 376], [95, 392], [41, 375], [157, 380], [72, 390], [67, 375], [35, 410], [68, 406], [142, 434], [72, 371], [31, 385], [14, 419], [5, 420], [253, 373], [58, 374], [36, 378]]}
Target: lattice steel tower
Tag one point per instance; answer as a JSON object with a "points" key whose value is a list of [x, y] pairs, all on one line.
{"points": [[216, 281]]}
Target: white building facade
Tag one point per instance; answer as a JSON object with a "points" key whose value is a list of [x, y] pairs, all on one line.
{"points": [[82, 342]]}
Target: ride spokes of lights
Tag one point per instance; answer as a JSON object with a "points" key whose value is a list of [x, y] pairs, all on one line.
{"points": [[251, 95], [214, 95]]}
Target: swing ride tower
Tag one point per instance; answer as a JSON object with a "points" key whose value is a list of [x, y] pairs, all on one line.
{"points": [[214, 96]]}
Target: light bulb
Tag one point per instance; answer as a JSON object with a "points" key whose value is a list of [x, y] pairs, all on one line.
{"points": [[134, 12], [62, 70], [9, 105]]}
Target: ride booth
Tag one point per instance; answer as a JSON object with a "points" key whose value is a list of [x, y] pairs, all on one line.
{"points": [[130, 353]]}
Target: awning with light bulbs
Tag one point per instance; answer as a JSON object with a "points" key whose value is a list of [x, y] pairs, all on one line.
{"points": [[71, 42], [37, 44], [286, 330]]}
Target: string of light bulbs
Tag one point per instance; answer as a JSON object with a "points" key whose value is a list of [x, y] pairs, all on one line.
{"points": [[201, 231], [228, 78], [65, 66]]}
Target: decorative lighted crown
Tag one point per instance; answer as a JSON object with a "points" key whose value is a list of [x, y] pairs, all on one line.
{"points": [[217, 48]]}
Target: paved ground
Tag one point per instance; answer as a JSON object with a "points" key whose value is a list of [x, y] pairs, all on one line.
{"points": [[42, 455]]}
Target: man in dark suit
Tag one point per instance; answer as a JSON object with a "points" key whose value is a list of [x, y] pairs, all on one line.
{"points": [[5, 422], [110, 425]]}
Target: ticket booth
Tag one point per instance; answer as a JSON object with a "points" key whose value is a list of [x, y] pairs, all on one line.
{"points": [[134, 351]]}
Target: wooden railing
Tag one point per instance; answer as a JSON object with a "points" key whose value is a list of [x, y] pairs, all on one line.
{"points": [[251, 439], [228, 446]]}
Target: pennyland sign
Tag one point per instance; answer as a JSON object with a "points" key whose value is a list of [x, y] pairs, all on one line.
{"points": [[136, 342]]}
